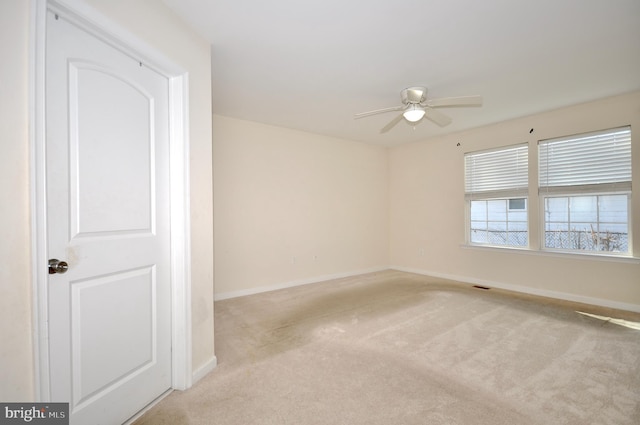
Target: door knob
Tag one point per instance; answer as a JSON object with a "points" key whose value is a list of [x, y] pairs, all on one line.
{"points": [[57, 266]]}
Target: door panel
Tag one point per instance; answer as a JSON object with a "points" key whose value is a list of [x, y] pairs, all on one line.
{"points": [[100, 136], [130, 332], [107, 163]]}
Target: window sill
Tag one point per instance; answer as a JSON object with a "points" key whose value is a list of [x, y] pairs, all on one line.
{"points": [[555, 254]]}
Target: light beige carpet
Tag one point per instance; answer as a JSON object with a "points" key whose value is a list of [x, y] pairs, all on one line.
{"points": [[394, 348]]}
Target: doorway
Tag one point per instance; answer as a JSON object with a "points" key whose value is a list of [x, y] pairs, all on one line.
{"points": [[161, 331]]}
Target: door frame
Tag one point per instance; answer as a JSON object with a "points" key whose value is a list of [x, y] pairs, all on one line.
{"points": [[117, 36]]}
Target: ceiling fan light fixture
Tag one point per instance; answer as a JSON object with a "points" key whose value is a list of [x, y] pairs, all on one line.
{"points": [[413, 114], [415, 106]]}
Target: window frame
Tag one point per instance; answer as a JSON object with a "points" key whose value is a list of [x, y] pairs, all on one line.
{"points": [[489, 192], [582, 190], [543, 225], [506, 199], [537, 198]]}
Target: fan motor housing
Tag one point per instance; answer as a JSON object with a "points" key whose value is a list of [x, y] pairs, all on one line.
{"points": [[413, 95]]}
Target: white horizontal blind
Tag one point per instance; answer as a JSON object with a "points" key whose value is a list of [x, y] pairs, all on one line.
{"points": [[590, 162], [497, 173]]}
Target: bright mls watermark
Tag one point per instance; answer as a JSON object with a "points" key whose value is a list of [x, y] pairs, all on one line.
{"points": [[34, 413]]}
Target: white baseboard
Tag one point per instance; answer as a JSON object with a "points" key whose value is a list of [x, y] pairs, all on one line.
{"points": [[290, 284], [526, 290], [204, 370], [464, 279]]}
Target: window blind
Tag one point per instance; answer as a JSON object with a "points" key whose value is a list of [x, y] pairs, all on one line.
{"points": [[497, 173], [590, 162]]}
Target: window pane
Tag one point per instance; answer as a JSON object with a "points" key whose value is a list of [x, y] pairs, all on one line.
{"points": [[497, 233], [588, 180], [557, 209], [518, 233], [493, 223], [580, 237], [613, 228], [517, 204], [518, 215], [496, 238], [479, 225], [478, 210], [478, 236], [517, 226], [557, 227], [496, 210], [592, 223], [612, 208], [517, 239], [583, 208], [497, 226], [612, 237], [496, 182], [556, 234]]}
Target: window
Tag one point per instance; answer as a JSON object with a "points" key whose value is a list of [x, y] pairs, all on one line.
{"points": [[496, 187], [517, 204], [585, 189]]}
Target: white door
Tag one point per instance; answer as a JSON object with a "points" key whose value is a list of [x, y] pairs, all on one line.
{"points": [[107, 149]]}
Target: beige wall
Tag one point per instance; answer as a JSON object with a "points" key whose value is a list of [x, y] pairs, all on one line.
{"points": [[293, 207], [428, 219], [16, 360], [154, 23]]}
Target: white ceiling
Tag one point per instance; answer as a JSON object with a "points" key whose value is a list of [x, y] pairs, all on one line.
{"points": [[311, 64]]}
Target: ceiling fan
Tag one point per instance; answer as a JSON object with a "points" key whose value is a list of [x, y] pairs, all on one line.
{"points": [[415, 106]]}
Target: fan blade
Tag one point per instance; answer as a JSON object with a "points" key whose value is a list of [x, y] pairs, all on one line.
{"points": [[392, 124], [437, 117], [379, 111], [455, 101]]}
